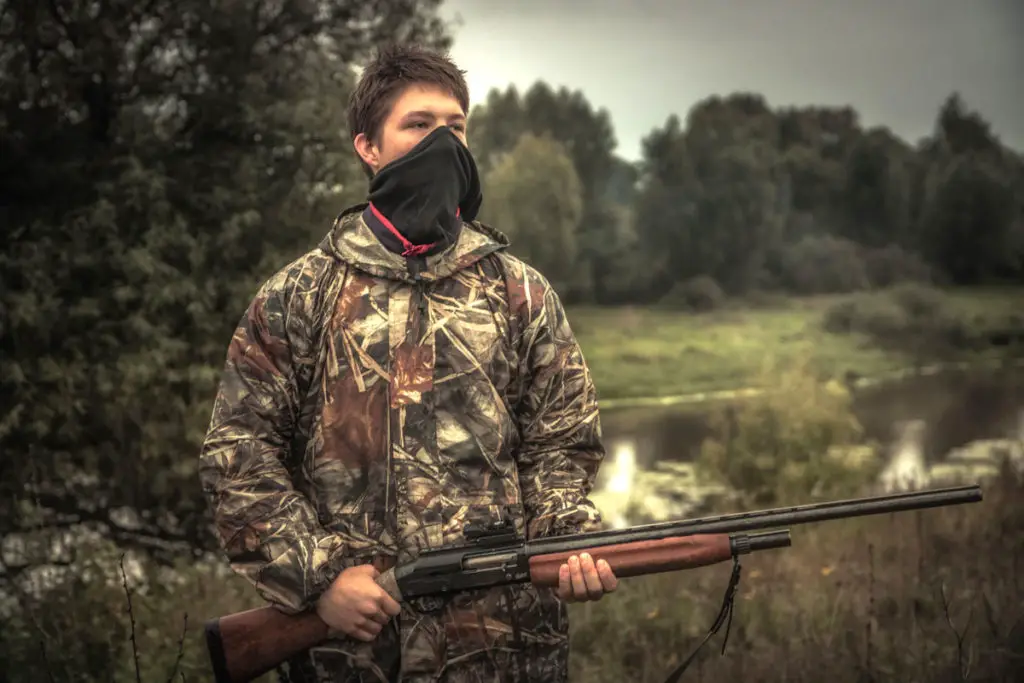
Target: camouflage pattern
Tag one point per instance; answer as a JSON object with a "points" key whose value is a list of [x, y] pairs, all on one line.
{"points": [[365, 413]]}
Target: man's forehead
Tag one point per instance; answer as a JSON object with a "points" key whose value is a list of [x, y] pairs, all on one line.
{"points": [[426, 100]]}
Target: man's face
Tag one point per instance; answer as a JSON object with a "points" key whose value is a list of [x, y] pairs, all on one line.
{"points": [[417, 111]]}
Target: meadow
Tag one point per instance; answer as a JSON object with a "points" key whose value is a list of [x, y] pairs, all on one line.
{"points": [[660, 352]]}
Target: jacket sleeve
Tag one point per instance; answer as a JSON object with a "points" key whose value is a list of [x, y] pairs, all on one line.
{"points": [[561, 449], [268, 529]]}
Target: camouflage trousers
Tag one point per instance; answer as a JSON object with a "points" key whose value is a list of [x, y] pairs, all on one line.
{"points": [[504, 635]]}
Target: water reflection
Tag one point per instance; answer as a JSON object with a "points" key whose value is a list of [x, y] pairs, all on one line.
{"points": [[907, 468], [619, 485], [932, 430]]}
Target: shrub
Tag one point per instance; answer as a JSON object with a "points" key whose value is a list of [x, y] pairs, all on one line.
{"points": [[910, 316], [698, 294], [783, 445], [823, 264], [891, 265], [761, 298], [77, 627]]}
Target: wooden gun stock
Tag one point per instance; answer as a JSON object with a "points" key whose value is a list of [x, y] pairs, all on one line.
{"points": [[246, 645]]}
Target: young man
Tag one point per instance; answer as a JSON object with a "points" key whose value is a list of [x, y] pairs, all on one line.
{"points": [[402, 378]]}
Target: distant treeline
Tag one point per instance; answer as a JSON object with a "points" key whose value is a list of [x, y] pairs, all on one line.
{"points": [[159, 160], [743, 197]]}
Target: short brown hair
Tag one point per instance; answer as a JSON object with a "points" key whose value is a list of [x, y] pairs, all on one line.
{"points": [[395, 68]]}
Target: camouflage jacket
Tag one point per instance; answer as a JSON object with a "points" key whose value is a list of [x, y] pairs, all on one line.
{"points": [[366, 412]]}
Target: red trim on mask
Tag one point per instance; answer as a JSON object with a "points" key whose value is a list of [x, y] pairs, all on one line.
{"points": [[410, 248]]}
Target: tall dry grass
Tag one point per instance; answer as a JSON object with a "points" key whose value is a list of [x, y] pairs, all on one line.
{"points": [[935, 595]]}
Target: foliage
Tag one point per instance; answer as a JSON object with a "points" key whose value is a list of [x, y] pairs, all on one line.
{"points": [[755, 197], [159, 161], [708, 201], [535, 195], [823, 264], [587, 137], [909, 316], [891, 265], [72, 622], [786, 444], [699, 295], [968, 217]]}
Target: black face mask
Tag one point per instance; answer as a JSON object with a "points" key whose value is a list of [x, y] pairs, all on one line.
{"points": [[428, 192]]}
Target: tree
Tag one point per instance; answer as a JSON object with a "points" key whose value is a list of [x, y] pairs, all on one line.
{"points": [[969, 199], [877, 191], [159, 160], [534, 195], [588, 139], [968, 221], [710, 200]]}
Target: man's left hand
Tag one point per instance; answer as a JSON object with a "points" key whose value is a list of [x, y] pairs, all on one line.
{"points": [[580, 579]]}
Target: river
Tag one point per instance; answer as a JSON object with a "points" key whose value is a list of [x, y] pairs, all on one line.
{"points": [[956, 407], [919, 420]]}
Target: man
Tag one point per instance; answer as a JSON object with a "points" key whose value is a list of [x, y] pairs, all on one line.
{"points": [[402, 378]]}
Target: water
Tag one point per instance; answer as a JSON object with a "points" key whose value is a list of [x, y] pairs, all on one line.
{"points": [[920, 421], [955, 408]]}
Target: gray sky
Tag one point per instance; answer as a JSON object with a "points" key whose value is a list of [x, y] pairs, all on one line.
{"points": [[894, 61]]}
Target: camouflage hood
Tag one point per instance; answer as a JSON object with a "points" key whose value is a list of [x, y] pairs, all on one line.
{"points": [[352, 242]]}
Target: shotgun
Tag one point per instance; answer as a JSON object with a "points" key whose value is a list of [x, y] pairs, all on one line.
{"points": [[245, 645]]}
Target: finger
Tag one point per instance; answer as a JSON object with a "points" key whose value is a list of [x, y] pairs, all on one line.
{"points": [[378, 617], [579, 587], [388, 604], [363, 635], [608, 579], [367, 569], [590, 577], [368, 608], [368, 625], [564, 585]]}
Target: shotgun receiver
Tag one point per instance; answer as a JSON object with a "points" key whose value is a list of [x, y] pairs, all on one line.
{"points": [[246, 645]]}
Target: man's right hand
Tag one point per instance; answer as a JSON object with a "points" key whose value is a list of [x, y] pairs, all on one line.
{"points": [[355, 605]]}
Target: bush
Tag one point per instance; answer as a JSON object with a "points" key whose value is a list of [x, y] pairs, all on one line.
{"points": [[909, 316], [783, 445], [76, 627], [698, 294], [823, 264], [891, 265], [869, 315]]}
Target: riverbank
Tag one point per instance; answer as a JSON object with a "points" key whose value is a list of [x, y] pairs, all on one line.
{"points": [[653, 356]]}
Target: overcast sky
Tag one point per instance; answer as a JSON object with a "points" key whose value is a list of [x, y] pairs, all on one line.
{"points": [[895, 61]]}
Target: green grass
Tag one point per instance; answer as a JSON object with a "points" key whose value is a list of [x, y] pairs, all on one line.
{"points": [[651, 352]]}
